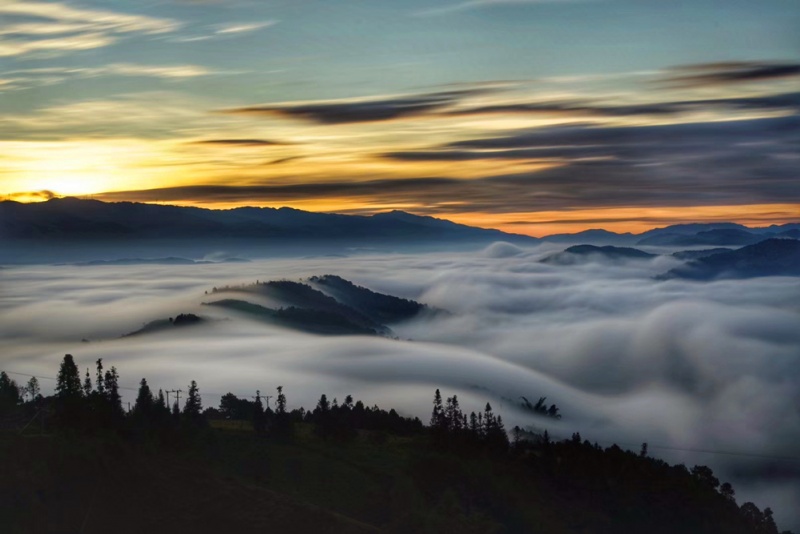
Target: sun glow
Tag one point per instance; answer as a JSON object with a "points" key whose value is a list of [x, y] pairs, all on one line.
{"points": [[77, 168]]}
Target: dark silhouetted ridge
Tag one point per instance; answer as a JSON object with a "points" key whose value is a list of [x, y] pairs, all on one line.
{"points": [[772, 257]]}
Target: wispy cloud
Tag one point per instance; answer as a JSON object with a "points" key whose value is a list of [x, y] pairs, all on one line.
{"points": [[36, 77], [733, 72], [72, 43], [244, 27], [149, 114], [61, 28], [363, 110], [230, 29], [240, 142], [480, 4]]}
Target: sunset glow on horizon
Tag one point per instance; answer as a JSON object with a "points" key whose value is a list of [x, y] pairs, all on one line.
{"points": [[530, 117]]}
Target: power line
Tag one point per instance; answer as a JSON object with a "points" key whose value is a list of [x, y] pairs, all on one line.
{"points": [[727, 453]]}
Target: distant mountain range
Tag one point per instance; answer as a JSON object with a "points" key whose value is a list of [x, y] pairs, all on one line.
{"points": [[683, 235], [772, 257], [92, 232], [91, 220]]}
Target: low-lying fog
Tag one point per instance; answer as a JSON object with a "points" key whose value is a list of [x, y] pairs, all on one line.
{"points": [[680, 365]]}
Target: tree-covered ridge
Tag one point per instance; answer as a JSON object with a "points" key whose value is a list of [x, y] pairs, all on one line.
{"points": [[458, 473], [326, 304], [384, 308]]}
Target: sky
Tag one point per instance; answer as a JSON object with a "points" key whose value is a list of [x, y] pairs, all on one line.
{"points": [[532, 116]]}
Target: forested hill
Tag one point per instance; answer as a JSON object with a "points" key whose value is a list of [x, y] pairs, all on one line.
{"points": [[77, 462]]}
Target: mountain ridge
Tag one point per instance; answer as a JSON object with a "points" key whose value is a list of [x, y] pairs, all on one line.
{"points": [[87, 220], [93, 220]]}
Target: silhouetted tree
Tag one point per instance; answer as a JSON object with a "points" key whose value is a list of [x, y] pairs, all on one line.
{"points": [[517, 436], [726, 490], [99, 377], [705, 475], [438, 411], [144, 400], [114, 399], [453, 419], [32, 388], [9, 392], [69, 405], [259, 422], [474, 425], [280, 402], [232, 407], [68, 383], [87, 384], [161, 410], [193, 407], [323, 420], [284, 425], [758, 521]]}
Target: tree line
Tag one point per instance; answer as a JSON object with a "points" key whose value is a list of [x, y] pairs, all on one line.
{"points": [[626, 485]]}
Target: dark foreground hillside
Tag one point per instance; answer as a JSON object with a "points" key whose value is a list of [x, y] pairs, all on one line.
{"points": [[90, 485], [76, 462]]}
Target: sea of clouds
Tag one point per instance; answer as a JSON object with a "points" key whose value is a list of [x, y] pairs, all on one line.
{"points": [[712, 366]]}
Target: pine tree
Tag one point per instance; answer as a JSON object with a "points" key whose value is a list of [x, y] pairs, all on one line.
{"points": [[9, 391], [111, 380], [87, 384], [68, 385], [281, 402], [517, 432], [500, 430], [438, 410], [69, 405], [283, 426], [161, 408], [452, 414], [323, 418], [473, 424], [193, 407], [144, 400], [488, 420], [99, 379], [323, 406]]}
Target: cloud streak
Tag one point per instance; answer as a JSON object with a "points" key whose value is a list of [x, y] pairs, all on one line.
{"points": [[363, 110], [243, 27], [735, 72], [485, 4], [240, 142], [61, 28]]}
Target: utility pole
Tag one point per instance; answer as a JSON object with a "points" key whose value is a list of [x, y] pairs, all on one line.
{"points": [[268, 397], [168, 405], [177, 393]]}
